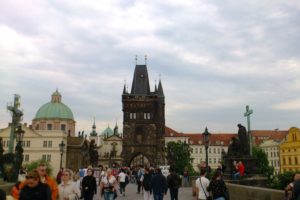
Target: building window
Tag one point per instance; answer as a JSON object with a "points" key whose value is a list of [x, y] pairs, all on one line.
{"points": [[134, 115], [290, 161], [28, 144], [296, 161], [209, 150], [192, 150], [63, 127], [44, 157], [49, 126], [214, 149], [283, 161], [26, 159], [200, 150], [196, 150], [209, 160], [215, 160], [219, 151], [37, 127], [48, 157], [50, 144], [130, 115], [45, 144]]}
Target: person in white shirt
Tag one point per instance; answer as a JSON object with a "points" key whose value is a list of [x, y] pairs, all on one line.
{"points": [[122, 177], [202, 184]]}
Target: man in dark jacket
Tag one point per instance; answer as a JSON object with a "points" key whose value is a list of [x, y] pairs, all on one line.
{"points": [[34, 189], [159, 185], [173, 182]]}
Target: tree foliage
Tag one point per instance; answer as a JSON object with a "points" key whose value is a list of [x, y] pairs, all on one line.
{"points": [[179, 156], [34, 164], [263, 162]]}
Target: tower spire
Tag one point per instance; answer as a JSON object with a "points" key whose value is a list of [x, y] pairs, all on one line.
{"points": [[160, 90], [146, 59], [136, 58]]}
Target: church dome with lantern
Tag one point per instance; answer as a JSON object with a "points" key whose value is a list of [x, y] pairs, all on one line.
{"points": [[54, 115]]}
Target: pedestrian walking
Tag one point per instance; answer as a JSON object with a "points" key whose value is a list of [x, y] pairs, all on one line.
{"points": [[34, 188], [173, 182], [138, 179], [146, 182], [89, 185], [218, 187], [202, 184], [108, 186], [122, 181], [159, 185], [67, 189]]}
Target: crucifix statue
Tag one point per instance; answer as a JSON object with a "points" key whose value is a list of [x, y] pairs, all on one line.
{"points": [[16, 119], [247, 114]]}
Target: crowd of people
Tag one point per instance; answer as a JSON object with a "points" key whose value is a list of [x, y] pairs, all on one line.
{"points": [[84, 184]]}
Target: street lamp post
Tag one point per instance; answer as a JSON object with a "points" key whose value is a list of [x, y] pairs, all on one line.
{"points": [[19, 134], [61, 149], [206, 136]]}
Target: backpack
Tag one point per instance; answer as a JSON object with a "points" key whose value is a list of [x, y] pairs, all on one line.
{"points": [[126, 179]]}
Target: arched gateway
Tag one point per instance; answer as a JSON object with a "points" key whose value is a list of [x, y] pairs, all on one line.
{"points": [[143, 121], [138, 160]]}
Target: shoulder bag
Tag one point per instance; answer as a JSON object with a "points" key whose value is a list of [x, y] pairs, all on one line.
{"points": [[207, 197]]}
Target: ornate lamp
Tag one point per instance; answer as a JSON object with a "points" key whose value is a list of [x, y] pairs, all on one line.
{"points": [[206, 137], [61, 149], [19, 133]]}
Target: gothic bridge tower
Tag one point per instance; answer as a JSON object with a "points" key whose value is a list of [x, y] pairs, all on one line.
{"points": [[143, 121]]}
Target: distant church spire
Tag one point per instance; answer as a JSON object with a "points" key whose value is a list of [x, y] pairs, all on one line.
{"points": [[160, 90], [94, 133]]}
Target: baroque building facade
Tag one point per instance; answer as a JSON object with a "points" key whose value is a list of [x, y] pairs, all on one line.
{"points": [[290, 151], [143, 121]]}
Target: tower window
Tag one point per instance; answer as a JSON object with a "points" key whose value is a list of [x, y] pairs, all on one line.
{"points": [[63, 127]]}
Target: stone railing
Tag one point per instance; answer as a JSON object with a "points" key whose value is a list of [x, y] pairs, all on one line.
{"points": [[242, 192]]}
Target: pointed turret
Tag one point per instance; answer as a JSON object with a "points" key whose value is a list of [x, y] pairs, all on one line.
{"points": [[160, 90], [94, 133], [116, 132], [140, 83], [124, 89]]}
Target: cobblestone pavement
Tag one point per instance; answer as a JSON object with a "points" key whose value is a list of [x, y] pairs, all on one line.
{"points": [[185, 193]]}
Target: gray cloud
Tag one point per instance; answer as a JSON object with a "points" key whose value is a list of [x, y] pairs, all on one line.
{"points": [[214, 57]]}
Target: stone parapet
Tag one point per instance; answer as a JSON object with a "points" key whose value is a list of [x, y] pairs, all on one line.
{"points": [[242, 192]]}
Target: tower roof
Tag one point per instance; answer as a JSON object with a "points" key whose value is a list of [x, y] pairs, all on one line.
{"points": [[140, 83], [160, 90]]}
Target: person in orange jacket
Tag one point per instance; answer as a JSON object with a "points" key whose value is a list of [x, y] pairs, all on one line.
{"points": [[15, 190], [44, 178]]}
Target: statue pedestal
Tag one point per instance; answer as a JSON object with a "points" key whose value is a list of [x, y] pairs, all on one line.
{"points": [[249, 162]]}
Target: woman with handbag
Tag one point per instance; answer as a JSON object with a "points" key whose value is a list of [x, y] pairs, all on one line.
{"points": [[67, 189], [217, 187], [108, 186]]}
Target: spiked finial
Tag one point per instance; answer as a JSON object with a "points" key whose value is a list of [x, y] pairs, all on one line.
{"points": [[145, 59]]}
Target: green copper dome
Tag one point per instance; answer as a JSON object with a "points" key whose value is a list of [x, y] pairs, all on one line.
{"points": [[54, 109], [108, 132]]}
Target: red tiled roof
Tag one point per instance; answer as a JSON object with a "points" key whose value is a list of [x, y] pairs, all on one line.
{"points": [[172, 133], [260, 135], [196, 138]]}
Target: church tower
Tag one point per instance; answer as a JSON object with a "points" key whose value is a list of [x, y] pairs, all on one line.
{"points": [[143, 121]]}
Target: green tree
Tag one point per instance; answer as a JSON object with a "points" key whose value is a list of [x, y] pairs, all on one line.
{"points": [[34, 164], [179, 156], [263, 162]]}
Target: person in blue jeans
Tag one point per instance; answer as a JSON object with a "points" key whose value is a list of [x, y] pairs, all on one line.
{"points": [[159, 185]]}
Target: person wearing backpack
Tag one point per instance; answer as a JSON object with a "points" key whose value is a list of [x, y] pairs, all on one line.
{"points": [[173, 183], [146, 182]]}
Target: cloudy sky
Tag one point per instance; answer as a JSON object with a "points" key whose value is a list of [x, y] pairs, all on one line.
{"points": [[215, 57]]}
